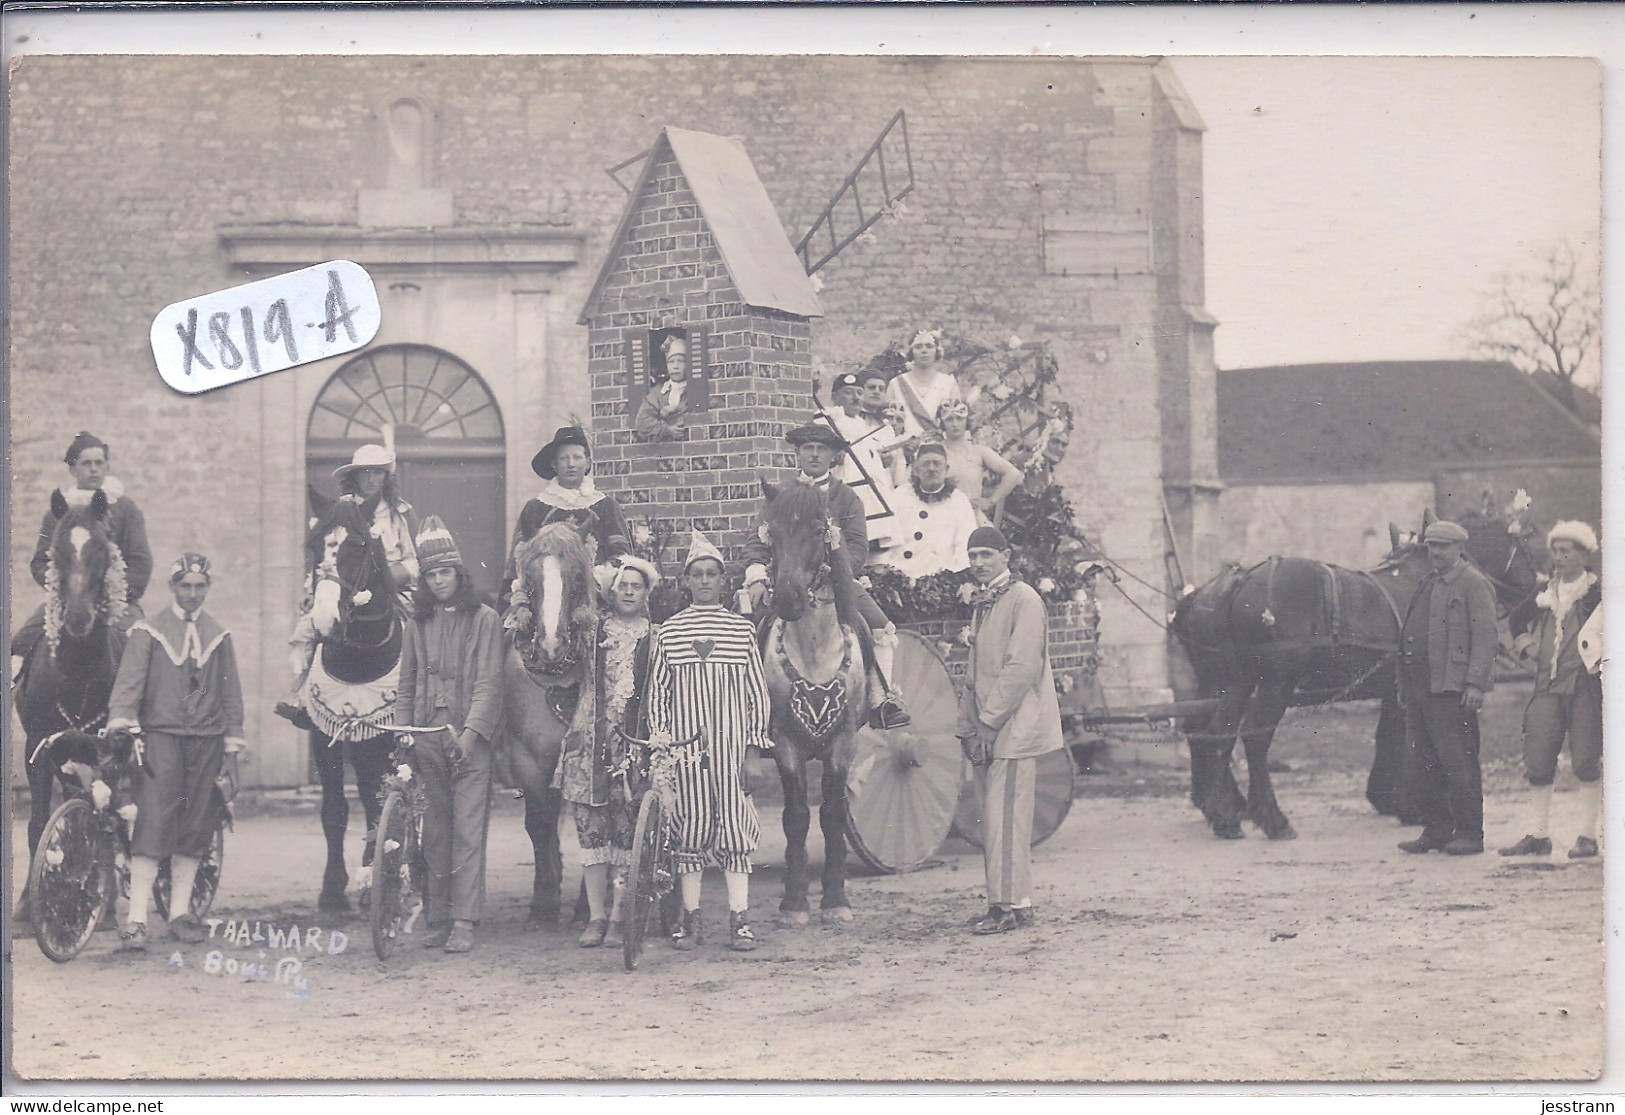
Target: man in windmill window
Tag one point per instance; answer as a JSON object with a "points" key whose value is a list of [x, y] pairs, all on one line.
{"points": [[661, 417], [818, 447]]}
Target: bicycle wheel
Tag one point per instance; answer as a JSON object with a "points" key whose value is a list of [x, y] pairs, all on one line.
{"points": [[72, 882], [207, 880], [643, 880], [394, 849]]}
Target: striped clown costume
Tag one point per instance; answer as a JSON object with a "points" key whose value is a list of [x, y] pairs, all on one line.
{"points": [[706, 671]]}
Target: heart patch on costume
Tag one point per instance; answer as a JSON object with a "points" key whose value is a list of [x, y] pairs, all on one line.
{"points": [[703, 647]]}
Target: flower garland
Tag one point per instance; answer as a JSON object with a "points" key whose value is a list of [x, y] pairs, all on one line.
{"points": [[115, 590]]}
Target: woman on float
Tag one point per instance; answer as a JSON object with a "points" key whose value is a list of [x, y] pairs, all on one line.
{"points": [[969, 461]]}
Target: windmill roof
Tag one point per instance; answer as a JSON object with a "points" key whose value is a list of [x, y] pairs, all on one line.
{"points": [[734, 203], [1387, 420]]}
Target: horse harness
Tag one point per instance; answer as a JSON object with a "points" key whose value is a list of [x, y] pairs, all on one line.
{"points": [[817, 708]]}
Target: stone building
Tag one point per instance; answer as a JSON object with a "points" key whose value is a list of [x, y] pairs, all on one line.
{"points": [[1056, 199], [1318, 459]]}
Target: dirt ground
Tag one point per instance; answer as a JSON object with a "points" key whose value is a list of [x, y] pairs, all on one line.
{"points": [[1160, 954]]}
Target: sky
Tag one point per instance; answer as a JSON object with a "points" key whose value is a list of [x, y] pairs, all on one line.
{"points": [[1359, 208]]}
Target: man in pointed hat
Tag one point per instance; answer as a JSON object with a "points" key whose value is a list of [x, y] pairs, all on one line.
{"points": [[706, 679], [818, 447], [451, 676]]}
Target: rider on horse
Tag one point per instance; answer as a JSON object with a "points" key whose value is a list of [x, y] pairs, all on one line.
{"points": [[87, 459], [568, 496], [370, 474], [818, 447]]}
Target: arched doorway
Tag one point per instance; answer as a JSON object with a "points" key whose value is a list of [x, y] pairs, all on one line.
{"points": [[448, 443]]}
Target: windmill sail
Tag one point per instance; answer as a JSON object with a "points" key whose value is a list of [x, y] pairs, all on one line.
{"points": [[883, 176]]}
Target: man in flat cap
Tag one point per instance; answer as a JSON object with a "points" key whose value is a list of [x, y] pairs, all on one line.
{"points": [[818, 447], [1551, 632], [1008, 717], [1446, 650]]}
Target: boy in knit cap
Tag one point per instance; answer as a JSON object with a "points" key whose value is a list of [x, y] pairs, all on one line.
{"points": [[451, 674], [706, 675]]}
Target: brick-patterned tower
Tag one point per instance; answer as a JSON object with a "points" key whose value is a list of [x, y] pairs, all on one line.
{"points": [[700, 255]]}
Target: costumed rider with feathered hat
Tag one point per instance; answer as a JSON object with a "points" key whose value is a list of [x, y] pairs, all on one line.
{"points": [[1560, 633], [87, 460], [706, 678], [569, 496], [370, 475], [818, 447]]}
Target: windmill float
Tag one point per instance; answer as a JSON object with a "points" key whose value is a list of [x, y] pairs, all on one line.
{"points": [[700, 269]]}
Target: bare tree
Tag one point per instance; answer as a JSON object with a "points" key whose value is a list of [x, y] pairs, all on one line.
{"points": [[1546, 320]]}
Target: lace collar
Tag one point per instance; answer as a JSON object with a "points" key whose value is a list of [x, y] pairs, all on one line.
{"points": [[570, 499]]}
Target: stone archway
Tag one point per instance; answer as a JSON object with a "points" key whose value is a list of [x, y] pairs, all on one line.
{"points": [[449, 443]]}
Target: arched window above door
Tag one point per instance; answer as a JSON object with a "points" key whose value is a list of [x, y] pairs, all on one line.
{"points": [[423, 392]]}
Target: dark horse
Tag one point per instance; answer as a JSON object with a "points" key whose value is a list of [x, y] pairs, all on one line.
{"points": [[350, 691], [1291, 631], [547, 692], [816, 678], [68, 677]]}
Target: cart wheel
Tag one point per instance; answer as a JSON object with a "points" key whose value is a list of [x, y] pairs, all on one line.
{"points": [[1052, 800], [71, 880], [643, 880], [208, 871], [395, 850], [901, 790]]}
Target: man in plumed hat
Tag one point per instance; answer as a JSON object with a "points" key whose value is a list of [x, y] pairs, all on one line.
{"points": [[88, 460], [1447, 650], [1555, 633], [818, 447], [178, 686], [568, 495], [706, 676], [1008, 717]]}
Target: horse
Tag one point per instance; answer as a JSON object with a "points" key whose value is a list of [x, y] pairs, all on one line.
{"points": [[350, 691], [1293, 631], [547, 692], [818, 687], [68, 676]]}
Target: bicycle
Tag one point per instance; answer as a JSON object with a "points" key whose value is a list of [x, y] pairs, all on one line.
{"points": [[399, 871], [81, 866], [653, 872]]}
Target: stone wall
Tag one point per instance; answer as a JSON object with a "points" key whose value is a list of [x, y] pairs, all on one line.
{"points": [[125, 170]]}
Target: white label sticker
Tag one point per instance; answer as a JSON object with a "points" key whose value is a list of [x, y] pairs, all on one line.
{"points": [[265, 326]]}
